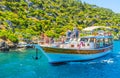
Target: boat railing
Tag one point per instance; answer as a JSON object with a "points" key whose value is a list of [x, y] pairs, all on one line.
{"points": [[74, 43]]}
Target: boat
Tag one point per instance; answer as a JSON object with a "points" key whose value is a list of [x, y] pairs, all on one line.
{"points": [[21, 45], [79, 49]]}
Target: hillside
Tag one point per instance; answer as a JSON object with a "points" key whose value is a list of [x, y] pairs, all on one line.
{"points": [[28, 18]]}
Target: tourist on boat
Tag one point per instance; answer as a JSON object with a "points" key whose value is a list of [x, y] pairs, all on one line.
{"points": [[68, 35], [63, 39], [46, 40], [75, 33], [52, 40], [42, 36]]}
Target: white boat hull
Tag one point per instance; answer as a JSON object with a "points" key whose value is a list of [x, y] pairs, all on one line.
{"points": [[56, 58], [62, 57]]}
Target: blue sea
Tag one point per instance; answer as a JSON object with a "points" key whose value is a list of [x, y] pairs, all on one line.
{"points": [[21, 64]]}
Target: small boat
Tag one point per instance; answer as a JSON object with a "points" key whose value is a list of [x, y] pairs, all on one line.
{"points": [[79, 49], [21, 45]]}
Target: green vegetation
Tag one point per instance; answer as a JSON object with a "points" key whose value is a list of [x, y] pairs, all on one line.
{"points": [[53, 17]]}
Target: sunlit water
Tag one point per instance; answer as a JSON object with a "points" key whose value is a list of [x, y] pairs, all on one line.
{"points": [[20, 64]]}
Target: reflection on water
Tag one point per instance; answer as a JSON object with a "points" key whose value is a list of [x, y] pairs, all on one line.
{"points": [[22, 65]]}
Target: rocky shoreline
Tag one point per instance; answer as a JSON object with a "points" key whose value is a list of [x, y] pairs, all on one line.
{"points": [[6, 46]]}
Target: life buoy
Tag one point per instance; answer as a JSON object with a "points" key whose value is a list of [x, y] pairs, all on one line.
{"points": [[81, 44]]}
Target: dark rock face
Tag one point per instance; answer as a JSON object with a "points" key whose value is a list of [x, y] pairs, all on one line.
{"points": [[4, 46]]}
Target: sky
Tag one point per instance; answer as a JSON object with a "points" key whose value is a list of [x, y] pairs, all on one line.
{"points": [[114, 5]]}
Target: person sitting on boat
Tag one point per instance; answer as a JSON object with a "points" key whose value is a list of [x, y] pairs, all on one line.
{"points": [[42, 36], [63, 39], [52, 40], [46, 40]]}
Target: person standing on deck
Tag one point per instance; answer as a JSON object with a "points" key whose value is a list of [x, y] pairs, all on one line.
{"points": [[68, 35], [75, 33]]}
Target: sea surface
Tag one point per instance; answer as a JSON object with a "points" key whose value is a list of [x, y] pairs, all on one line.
{"points": [[22, 64]]}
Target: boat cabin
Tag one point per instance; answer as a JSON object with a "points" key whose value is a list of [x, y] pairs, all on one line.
{"points": [[95, 42]]}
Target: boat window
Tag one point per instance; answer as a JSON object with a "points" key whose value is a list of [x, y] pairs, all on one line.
{"points": [[110, 41], [101, 43], [97, 43], [92, 39], [84, 39], [106, 42]]}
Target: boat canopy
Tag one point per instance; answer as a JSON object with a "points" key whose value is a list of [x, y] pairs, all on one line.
{"points": [[92, 28], [97, 37]]}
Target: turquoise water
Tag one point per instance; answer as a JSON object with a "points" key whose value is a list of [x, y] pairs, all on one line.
{"points": [[20, 64]]}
